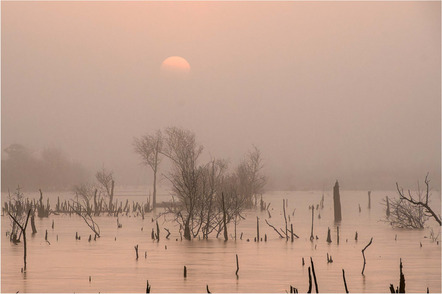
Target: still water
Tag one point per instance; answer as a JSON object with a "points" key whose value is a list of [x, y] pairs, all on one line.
{"points": [[65, 265]]}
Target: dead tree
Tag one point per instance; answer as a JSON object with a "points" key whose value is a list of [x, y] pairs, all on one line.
{"points": [[420, 202], [363, 254], [337, 202], [23, 231], [150, 147]]}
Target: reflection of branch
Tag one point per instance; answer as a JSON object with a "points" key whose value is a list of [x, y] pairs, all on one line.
{"points": [[88, 220]]}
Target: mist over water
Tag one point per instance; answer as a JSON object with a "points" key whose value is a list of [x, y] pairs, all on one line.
{"points": [[326, 90]]}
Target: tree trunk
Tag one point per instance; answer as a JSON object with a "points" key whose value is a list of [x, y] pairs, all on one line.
{"points": [[154, 200], [224, 220], [187, 230]]}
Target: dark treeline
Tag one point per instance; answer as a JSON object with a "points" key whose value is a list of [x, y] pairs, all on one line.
{"points": [[48, 170]]}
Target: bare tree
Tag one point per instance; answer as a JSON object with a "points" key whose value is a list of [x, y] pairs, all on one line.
{"points": [[106, 181], [411, 211], [181, 148], [422, 202], [150, 147], [22, 227], [250, 177]]}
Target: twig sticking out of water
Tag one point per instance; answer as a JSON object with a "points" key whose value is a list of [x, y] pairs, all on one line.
{"points": [[207, 289], [311, 234], [345, 283], [314, 275], [148, 287], [237, 266], [401, 288], [363, 254], [272, 228], [168, 233], [309, 281], [136, 250]]}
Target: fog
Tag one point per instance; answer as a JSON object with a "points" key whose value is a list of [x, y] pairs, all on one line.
{"points": [[326, 90]]}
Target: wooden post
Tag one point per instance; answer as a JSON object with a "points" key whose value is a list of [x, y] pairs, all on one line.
{"points": [[148, 287], [257, 228], [185, 272], [309, 281], [337, 202]]}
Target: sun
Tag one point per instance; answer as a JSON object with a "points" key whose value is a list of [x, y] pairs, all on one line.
{"points": [[175, 66]]}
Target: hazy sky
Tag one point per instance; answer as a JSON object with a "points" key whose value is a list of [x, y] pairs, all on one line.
{"points": [[326, 90]]}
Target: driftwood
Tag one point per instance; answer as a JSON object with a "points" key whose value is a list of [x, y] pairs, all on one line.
{"points": [[363, 254]]}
